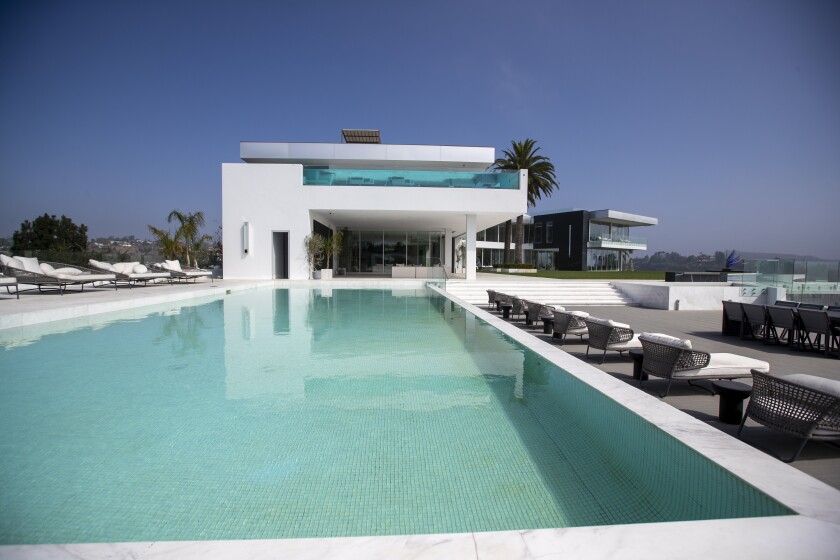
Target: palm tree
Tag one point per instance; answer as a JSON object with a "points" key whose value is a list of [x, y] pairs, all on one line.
{"points": [[541, 181], [187, 232], [168, 245]]}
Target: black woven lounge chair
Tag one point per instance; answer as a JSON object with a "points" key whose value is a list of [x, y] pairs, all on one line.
{"points": [[536, 311], [673, 358], [569, 322], [58, 280], [804, 406], [609, 335]]}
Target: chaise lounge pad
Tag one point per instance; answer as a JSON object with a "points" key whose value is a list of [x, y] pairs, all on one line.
{"points": [[723, 365]]}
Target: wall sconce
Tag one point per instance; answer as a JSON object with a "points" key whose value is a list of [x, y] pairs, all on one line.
{"points": [[246, 234]]}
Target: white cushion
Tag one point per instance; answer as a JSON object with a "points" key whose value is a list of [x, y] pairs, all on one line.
{"points": [[14, 263], [830, 386], [4, 260], [46, 268], [119, 267], [597, 320], [128, 267], [626, 345], [617, 324], [723, 365], [67, 270], [140, 269], [667, 340], [173, 265], [30, 264], [100, 264], [583, 314], [558, 308]]}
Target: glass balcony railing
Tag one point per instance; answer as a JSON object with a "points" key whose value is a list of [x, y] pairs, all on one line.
{"points": [[605, 241], [409, 178]]}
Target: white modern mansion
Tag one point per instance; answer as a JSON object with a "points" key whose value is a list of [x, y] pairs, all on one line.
{"points": [[398, 206]]}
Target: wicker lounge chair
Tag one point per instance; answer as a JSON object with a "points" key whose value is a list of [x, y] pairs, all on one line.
{"points": [[518, 307], [673, 358], [536, 311], [610, 335], [491, 299], [178, 272], [130, 273], [8, 283], [52, 275], [570, 322], [805, 406]]}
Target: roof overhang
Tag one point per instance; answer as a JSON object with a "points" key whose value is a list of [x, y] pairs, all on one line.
{"points": [[622, 218], [407, 220], [370, 156]]}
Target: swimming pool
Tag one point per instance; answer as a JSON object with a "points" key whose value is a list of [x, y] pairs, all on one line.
{"points": [[317, 413]]}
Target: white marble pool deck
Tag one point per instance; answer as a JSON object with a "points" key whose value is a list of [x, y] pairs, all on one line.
{"points": [[813, 533]]}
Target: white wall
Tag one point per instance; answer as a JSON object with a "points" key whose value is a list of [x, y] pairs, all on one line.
{"points": [[271, 197], [698, 296]]}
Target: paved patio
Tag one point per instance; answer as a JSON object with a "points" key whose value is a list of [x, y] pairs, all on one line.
{"points": [[819, 459]]}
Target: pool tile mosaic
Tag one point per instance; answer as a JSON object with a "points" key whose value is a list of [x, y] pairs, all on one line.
{"points": [[299, 413]]}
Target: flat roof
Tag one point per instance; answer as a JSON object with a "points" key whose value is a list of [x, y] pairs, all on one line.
{"points": [[622, 218], [370, 156]]}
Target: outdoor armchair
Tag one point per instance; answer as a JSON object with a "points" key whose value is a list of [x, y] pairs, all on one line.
{"points": [[755, 321], [673, 358], [609, 335], [804, 406], [733, 319], [570, 322], [816, 323], [536, 311]]}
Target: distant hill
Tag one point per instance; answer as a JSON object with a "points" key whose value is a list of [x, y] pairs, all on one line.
{"points": [[755, 256]]}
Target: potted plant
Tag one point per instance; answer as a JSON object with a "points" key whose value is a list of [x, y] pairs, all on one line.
{"points": [[313, 245], [332, 248]]}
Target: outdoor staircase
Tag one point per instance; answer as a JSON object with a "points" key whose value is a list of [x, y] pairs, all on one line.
{"points": [[564, 293]]}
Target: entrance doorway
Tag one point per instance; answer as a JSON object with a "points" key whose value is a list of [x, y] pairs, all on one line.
{"points": [[280, 243]]}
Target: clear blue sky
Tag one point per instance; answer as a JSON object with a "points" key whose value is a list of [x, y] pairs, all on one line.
{"points": [[720, 117]]}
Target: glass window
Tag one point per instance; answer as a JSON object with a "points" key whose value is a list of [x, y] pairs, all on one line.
{"points": [[538, 233], [549, 232]]}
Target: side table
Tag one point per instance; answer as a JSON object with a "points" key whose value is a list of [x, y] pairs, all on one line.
{"points": [[637, 355], [732, 395]]}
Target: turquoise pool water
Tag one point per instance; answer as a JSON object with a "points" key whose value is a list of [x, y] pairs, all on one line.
{"points": [[309, 413]]}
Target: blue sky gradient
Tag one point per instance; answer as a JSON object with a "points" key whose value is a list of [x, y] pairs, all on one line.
{"points": [[721, 118]]}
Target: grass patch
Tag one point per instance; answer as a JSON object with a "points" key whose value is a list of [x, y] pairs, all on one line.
{"points": [[596, 275]]}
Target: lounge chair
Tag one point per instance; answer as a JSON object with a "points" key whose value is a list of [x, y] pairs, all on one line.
{"points": [[491, 299], [45, 275], [8, 283], [610, 335], [518, 307], [178, 272], [536, 311], [569, 322], [805, 406], [130, 273], [673, 358]]}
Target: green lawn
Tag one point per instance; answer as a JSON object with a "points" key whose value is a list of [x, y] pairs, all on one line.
{"points": [[595, 275]]}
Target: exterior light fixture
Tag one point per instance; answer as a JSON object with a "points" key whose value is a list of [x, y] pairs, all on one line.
{"points": [[246, 234]]}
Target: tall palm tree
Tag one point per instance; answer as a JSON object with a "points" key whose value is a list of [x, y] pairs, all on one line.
{"points": [[541, 181], [189, 225]]}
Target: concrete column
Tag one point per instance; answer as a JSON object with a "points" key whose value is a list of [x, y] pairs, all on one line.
{"points": [[471, 233]]}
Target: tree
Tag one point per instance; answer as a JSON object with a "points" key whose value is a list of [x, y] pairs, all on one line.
{"points": [[314, 245], [168, 245], [48, 233], [189, 226], [541, 181]]}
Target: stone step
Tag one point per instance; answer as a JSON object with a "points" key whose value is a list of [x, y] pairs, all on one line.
{"points": [[562, 293]]}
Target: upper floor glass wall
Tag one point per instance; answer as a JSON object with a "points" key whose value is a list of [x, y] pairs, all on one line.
{"points": [[409, 178]]}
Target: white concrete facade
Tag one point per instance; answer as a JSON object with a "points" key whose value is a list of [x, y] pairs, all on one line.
{"points": [[271, 196]]}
